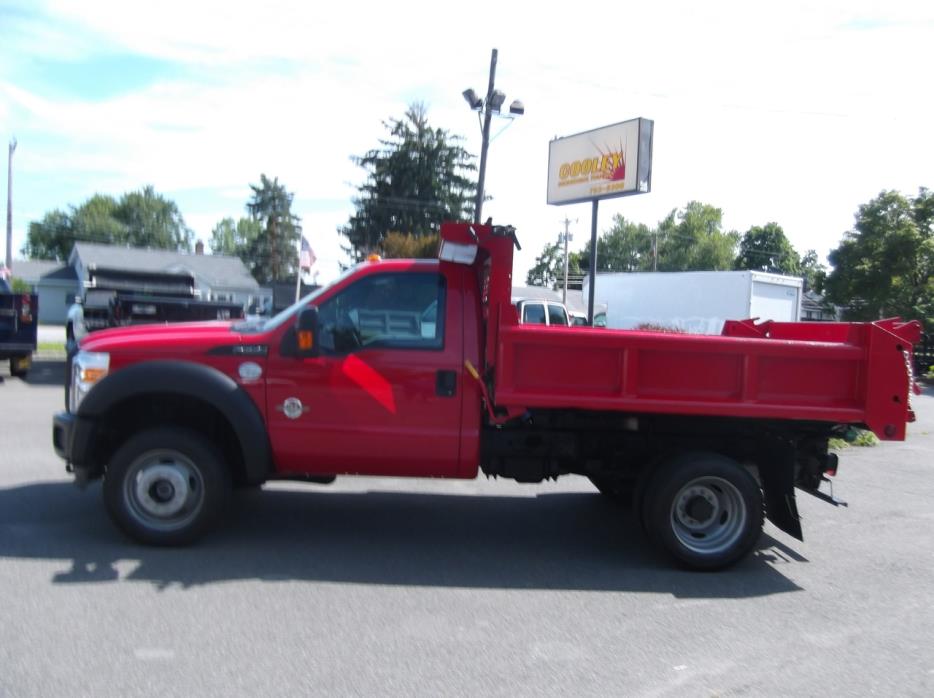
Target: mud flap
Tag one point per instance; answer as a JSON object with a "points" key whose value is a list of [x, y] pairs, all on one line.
{"points": [[778, 489]]}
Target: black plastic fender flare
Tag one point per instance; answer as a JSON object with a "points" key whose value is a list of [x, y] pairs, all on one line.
{"points": [[197, 381]]}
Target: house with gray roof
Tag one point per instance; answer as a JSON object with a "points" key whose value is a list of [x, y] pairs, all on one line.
{"points": [[216, 277], [31, 270]]}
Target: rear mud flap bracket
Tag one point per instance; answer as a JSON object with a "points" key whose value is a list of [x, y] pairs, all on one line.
{"points": [[778, 489]]}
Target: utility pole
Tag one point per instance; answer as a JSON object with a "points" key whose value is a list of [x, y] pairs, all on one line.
{"points": [[485, 109], [485, 133], [565, 237], [9, 206]]}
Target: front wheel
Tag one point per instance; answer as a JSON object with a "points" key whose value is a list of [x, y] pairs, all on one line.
{"points": [[704, 509], [166, 486]]}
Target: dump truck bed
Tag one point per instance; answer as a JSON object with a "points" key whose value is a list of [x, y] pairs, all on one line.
{"points": [[844, 373]]}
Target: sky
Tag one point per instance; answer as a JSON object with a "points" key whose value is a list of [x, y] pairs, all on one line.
{"points": [[792, 112]]}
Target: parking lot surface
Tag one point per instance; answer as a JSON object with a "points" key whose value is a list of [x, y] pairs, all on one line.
{"points": [[412, 587]]}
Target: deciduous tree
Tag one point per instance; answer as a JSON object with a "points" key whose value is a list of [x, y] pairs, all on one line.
{"points": [[141, 218], [548, 267], [765, 248], [692, 239], [883, 267], [151, 220], [626, 246], [234, 238], [814, 273]]}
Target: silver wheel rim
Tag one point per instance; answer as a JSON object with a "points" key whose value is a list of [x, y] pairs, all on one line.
{"points": [[163, 490], [708, 515]]}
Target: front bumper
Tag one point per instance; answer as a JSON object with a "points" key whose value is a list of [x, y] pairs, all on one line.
{"points": [[72, 439], [63, 428]]}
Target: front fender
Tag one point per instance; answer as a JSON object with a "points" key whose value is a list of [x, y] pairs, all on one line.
{"points": [[192, 380]]}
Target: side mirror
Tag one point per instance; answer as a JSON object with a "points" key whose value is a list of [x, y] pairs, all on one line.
{"points": [[306, 332]]}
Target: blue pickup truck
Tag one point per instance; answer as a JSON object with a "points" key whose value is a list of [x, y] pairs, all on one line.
{"points": [[19, 325]]}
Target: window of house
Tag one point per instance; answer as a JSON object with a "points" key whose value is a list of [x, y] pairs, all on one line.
{"points": [[400, 311]]}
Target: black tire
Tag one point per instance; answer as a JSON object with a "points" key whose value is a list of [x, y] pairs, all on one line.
{"points": [[614, 489], [703, 509], [18, 370], [166, 486]]}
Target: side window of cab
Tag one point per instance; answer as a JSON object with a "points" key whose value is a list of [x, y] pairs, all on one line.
{"points": [[387, 311]]}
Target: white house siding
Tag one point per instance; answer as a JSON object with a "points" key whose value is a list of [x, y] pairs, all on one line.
{"points": [[55, 297]]}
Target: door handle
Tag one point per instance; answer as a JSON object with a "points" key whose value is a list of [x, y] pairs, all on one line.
{"points": [[446, 383]]}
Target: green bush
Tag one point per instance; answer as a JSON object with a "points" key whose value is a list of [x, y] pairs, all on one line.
{"points": [[20, 286], [655, 327], [862, 438], [866, 438]]}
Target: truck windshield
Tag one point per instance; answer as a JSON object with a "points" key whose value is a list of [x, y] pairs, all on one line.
{"points": [[257, 326]]}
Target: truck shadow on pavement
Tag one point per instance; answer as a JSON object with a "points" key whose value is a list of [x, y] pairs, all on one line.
{"points": [[566, 541], [46, 372]]}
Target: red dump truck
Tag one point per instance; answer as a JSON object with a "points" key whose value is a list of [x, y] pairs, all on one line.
{"points": [[421, 369]]}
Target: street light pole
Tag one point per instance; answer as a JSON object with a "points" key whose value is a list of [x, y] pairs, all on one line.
{"points": [[9, 206], [485, 131], [485, 108], [566, 237]]}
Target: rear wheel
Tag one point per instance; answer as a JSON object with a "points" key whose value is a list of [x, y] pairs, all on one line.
{"points": [[166, 486], [20, 365], [704, 509]]}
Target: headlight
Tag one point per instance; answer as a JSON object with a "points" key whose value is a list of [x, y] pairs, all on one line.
{"points": [[87, 368]]}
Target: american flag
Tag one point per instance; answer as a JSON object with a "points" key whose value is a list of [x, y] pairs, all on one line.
{"points": [[307, 257]]}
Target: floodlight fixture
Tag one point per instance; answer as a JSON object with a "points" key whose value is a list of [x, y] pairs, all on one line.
{"points": [[472, 99], [485, 108], [496, 100]]}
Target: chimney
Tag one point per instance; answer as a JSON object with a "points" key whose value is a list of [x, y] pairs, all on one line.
{"points": [[199, 247]]}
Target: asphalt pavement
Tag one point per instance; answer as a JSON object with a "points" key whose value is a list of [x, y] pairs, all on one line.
{"points": [[418, 587]]}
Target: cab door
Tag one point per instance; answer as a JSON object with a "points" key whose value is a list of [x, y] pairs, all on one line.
{"points": [[384, 397]]}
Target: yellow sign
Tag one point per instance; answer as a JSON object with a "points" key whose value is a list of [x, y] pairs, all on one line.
{"points": [[606, 162]]}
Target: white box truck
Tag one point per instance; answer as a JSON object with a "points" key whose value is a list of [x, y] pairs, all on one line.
{"points": [[697, 302]]}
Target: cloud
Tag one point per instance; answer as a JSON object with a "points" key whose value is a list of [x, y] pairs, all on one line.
{"points": [[795, 112]]}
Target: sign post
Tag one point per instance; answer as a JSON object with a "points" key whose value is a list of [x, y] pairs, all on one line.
{"points": [[604, 163]]}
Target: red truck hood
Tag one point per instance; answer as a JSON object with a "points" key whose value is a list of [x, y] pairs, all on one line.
{"points": [[176, 338]]}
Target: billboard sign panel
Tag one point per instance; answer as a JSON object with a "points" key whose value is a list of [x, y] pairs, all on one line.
{"points": [[601, 164]]}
